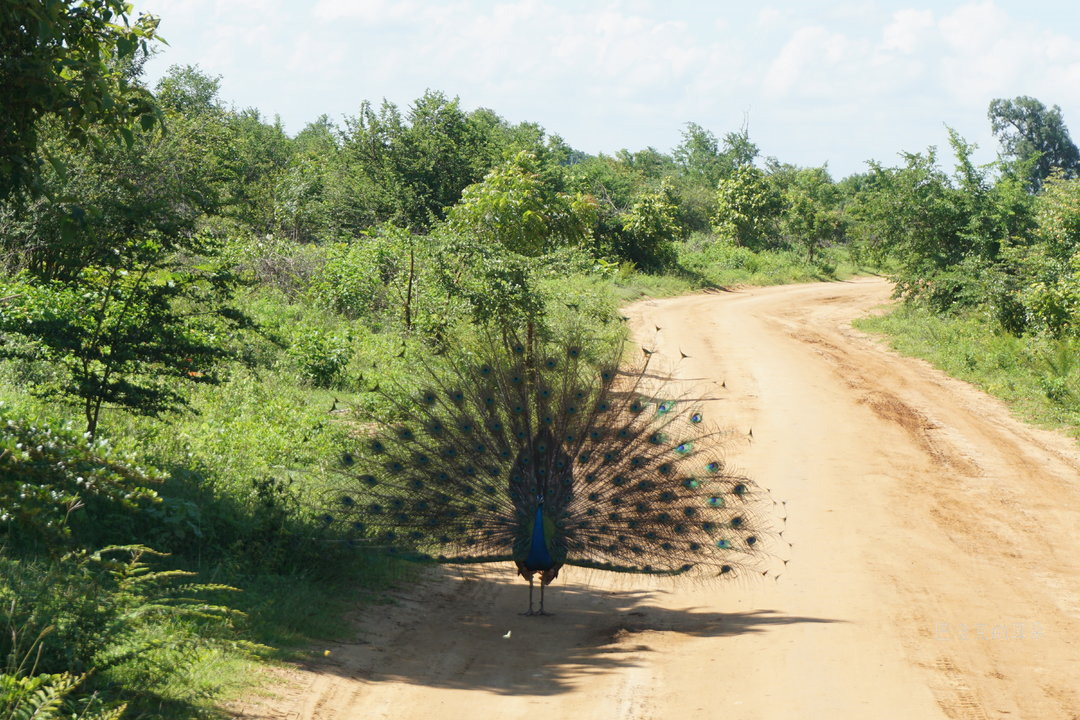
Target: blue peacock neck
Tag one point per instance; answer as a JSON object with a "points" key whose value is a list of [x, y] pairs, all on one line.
{"points": [[539, 557]]}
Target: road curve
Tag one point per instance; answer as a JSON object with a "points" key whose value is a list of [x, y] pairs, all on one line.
{"points": [[934, 570]]}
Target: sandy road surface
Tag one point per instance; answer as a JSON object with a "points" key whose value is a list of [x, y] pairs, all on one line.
{"points": [[935, 571]]}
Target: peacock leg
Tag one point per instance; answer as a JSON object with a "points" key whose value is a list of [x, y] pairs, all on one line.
{"points": [[530, 610]]}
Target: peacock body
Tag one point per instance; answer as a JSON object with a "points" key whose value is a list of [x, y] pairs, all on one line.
{"points": [[530, 453]]}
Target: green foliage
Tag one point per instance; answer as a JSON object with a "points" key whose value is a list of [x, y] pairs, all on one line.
{"points": [[747, 208], [649, 230], [321, 356], [1034, 138], [68, 62], [123, 335], [811, 217], [50, 472], [99, 618], [515, 210]]}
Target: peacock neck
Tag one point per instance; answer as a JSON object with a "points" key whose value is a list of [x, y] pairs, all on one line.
{"points": [[539, 557]]}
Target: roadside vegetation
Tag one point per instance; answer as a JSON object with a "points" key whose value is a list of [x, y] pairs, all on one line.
{"points": [[199, 314]]}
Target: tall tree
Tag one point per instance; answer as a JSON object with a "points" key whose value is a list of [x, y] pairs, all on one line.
{"points": [[1030, 132], [72, 62]]}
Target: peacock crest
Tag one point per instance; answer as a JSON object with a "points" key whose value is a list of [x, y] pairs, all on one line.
{"points": [[531, 452]]}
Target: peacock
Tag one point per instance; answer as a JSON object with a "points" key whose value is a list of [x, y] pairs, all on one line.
{"points": [[542, 454]]}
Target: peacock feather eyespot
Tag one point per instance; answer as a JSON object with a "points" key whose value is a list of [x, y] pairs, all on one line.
{"points": [[495, 427], [517, 379], [708, 526], [617, 501], [740, 489], [713, 466], [663, 518], [436, 428], [678, 528], [377, 446], [573, 351], [489, 490], [602, 407], [369, 480], [736, 522], [347, 459], [623, 432], [466, 426], [429, 397], [486, 370], [609, 457], [421, 460], [696, 418], [665, 468], [637, 406], [479, 448], [394, 467], [376, 509], [725, 569], [723, 544], [456, 396], [548, 420], [397, 503], [637, 461], [468, 491], [489, 400], [665, 407], [641, 508], [449, 452], [491, 507], [618, 481], [359, 526], [327, 519], [517, 409], [646, 486], [544, 392], [690, 512], [443, 476], [694, 547], [667, 496], [614, 517], [684, 448], [469, 471], [405, 434], [416, 535], [492, 471], [347, 501], [691, 483], [590, 477], [591, 512], [715, 501], [551, 363], [571, 410], [751, 541], [518, 349], [658, 438]]}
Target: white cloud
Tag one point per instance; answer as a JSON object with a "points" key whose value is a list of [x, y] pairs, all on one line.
{"points": [[908, 30]]}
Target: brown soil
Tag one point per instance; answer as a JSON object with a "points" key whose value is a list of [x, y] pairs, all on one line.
{"points": [[934, 571]]}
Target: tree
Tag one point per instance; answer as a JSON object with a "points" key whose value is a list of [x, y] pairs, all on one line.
{"points": [[811, 218], [70, 62], [747, 208], [1031, 133], [649, 228]]}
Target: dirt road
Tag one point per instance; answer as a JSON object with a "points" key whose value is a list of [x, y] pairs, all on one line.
{"points": [[934, 573]]}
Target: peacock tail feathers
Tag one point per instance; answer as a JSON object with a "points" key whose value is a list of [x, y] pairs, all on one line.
{"points": [[530, 451]]}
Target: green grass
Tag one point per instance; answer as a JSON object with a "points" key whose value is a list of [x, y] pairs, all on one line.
{"points": [[1038, 377], [707, 262]]}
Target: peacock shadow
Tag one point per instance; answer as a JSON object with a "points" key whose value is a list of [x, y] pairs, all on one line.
{"points": [[461, 630]]}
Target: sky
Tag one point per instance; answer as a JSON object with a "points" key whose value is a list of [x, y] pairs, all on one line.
{"points": [[816, 81]]}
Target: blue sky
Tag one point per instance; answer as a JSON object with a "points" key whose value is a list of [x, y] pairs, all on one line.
{"points": [[819, 81]]}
